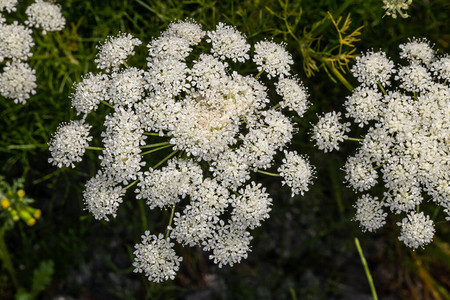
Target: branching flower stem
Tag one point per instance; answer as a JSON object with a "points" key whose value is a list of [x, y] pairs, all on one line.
{"points": [[165, 159], [268, 173], [107, 104], [154, 134], [155, 145], [157, 149], [95, 148], [170, 222], [355, 139]]}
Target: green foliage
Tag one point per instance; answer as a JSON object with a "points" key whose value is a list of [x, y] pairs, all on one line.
{"points": [[42, 277]]}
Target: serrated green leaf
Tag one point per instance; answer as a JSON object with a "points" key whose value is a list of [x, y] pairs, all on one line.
{"points": [[22, 294], [42, 276]]}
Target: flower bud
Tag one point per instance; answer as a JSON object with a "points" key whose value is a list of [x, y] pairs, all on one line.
{"points": [[14, 215], [26, 217]]}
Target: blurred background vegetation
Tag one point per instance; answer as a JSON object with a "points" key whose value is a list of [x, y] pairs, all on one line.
{"points": [[305, 250]]}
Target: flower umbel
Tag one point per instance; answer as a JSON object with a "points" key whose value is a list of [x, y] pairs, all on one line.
{"points": [[406, 144], [214, 121]]}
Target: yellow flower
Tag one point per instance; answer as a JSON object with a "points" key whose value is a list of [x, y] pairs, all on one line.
{"points": [[21, 193], [37, 214], [5, 203], [31, 222]]}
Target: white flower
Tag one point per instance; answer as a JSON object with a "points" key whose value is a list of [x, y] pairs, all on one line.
{"points": [[329, 132], [376, 144], [8, 5], [45, 15], [364, 105], [414, 78], [297, 172], [115, 51], [409, 139], [399, 171], [163, 187], [69, 143], [210, 195], [102, 196], [404, 198], [359, 173], [195, 226], [122, 139], [417, 230], [372, 68], [18, 81], [447, 218], [231, 168], [266, 137], [203, 132], [295, 95], [127, 87], [394, 7], [369, 213], [155, 257], [168, 47], [229, 245], [188, 29], [399, 115], [273, 59], [213, 119], [417, 50], [90, 92], [167, 77], [227, 42], [15, 41], [251, 207], [441, 67]]}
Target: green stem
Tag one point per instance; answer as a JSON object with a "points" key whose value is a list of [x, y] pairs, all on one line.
{"points": [[276, 106], [259, 74], [170, 221], [5, 257], [152, 133], [377, 167], [382, 89], [355, 139], [94, 148], [106, 103], [155, 145], [366, 269], [164, 159], [157, 149], [268, 173], [142, 212], [293, 295], [131, 184]]}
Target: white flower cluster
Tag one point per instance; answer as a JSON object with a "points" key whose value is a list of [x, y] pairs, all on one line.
{"points": [[45, 15], [407, 143], [394, 7], [156, 258], [69, 143], [17, 78], [218, 124], [329, 131]]}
